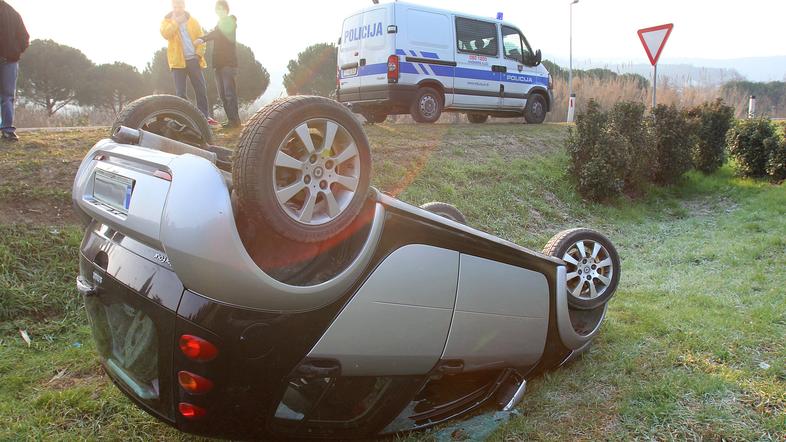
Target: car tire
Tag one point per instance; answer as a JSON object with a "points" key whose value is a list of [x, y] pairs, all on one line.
{"points": [[375, 117], [427, 106], [286, 175], [169, 116], [445, 210], [535, 110], [593, 266], [477, 118]]}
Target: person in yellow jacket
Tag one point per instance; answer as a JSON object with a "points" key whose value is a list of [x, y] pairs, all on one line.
{"points": [[186, 58]]}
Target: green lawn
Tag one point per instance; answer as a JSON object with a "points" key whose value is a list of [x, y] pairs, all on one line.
{"points": [[694, 346]]}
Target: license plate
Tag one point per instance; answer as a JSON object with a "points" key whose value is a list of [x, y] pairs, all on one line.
{"points": [[350, 72], [113, 190]]}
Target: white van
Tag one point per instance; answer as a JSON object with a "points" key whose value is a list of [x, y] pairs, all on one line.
{"points": [[399, 58]]}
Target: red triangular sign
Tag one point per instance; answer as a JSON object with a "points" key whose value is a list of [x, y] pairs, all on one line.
{"points": [[654, 39]]}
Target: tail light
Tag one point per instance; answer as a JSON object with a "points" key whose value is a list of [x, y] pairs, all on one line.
{"points": [[193, 383], [197, 348], [191, 411], [393, 69], [164, 175]]}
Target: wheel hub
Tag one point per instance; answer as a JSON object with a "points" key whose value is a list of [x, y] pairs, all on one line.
{"points": [[317, 172]]}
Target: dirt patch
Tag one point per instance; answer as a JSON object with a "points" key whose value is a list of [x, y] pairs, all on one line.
{"points": [[38, 213], [64, 379]]}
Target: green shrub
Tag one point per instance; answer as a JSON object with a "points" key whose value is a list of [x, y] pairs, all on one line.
{"points": [[627, 118], [749, 145], [674, 135], [712, 121], [599, 155], [776, 165]]}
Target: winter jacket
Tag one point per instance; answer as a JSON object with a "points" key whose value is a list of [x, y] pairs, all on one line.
{"points": [[224, 38], [170, 30], [14, 38]]}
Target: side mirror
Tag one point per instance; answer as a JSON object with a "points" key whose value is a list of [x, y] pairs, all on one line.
{"points": [[538, 58]]}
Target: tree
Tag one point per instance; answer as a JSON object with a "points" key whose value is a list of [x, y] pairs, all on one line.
{"points": [[52, 74], [314, 71], [112, 86], [252, 80]]}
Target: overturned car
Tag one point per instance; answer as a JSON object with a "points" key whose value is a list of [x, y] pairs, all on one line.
{"points": [[270, 292]]}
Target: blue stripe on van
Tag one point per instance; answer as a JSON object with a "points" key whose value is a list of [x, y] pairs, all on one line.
{"points": [[430, 55], [400, 52], [448, 71]]}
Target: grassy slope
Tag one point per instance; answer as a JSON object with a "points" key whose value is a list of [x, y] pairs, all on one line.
{"points": [[701, 304]]}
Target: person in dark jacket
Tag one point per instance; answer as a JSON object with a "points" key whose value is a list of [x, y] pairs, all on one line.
{"points": [[224, 38], [14, 39]]}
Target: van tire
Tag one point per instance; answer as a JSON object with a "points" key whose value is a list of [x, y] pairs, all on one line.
{"points": [[262, 176], [477, 118], [151, 113], [427, 106], [535, 111]]}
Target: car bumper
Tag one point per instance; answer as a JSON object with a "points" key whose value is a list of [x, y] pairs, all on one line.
{"points": [[389, 96]]}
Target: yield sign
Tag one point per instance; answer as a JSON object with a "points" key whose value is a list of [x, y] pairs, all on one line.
{"points": [[654, 39]]}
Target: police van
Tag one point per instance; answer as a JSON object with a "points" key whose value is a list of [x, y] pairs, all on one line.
{"points": [[402, 58]]}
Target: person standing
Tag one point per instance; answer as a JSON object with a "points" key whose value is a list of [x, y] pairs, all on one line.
{"points": [[224, 38], [14, 40], [186, 58]]}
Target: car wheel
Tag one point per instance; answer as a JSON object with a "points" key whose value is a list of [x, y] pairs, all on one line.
{"points": [[303, 166], [477, 118], [375, 117], [427, 106], [169, 116], [593, 266], [445, 210], [535, 111]]}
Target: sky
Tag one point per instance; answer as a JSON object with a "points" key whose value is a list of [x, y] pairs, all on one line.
{"points": [[603, 30]]}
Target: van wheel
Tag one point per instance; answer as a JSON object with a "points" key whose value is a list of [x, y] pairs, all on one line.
{"points": [[445, 210], [169, 116], [303, 167], [593, 266], [535, 111], [427, 106], [477, 118], [375, 117]]}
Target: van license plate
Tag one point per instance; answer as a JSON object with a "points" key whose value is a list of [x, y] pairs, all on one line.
{"points": [[113, 190], [350, 72]]}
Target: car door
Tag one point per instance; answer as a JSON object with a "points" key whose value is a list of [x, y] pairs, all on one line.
{"points": [[376, 45], [514, 80], [348, 56], [478, 65]]}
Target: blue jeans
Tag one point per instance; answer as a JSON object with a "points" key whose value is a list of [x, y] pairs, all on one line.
{"points": [[193, 72], [227, 90], [8, 74]]}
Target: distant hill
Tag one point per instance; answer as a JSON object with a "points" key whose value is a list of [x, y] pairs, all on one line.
{"points": [[697, 71]]}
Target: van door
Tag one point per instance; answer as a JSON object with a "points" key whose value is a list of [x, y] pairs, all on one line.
{"points": [[348, 59], [515, 80], [376, 45], [478, 64]]}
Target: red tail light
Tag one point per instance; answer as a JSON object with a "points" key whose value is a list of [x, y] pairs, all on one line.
{"points": [[191, 411], [393, 69], [193, 383], [163, 175], [197, 348]]}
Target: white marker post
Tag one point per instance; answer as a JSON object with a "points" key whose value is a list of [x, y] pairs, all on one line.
{"points": [[654, 39], [571, 107]]}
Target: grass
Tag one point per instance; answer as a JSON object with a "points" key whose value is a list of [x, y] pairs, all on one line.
{"points": [[693, 347]]}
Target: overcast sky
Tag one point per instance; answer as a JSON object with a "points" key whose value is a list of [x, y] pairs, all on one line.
{"points": [[118, 30]]}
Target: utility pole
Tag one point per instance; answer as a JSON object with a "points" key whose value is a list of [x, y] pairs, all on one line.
{"points": [[571, 96]]}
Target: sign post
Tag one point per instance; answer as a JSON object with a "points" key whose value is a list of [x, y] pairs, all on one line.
{"points": [[654, 39]]}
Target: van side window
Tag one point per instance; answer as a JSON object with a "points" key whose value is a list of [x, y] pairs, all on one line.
{"points": [[476, 37]]}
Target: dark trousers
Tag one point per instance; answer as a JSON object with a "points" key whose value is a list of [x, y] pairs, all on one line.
{"points": [[227, 90], [193, 72], [8, 74]]}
